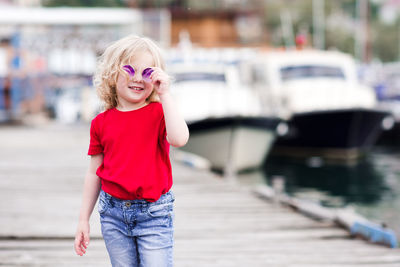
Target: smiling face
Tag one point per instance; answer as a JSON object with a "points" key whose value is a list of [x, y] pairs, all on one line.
{"points": [[132, 91]]}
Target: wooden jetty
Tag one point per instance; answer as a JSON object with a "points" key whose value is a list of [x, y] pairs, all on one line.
{"points": [[218, 222]]}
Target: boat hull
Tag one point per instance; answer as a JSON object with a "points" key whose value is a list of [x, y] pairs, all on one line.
{"points": [[347, 133], [232, 144]]}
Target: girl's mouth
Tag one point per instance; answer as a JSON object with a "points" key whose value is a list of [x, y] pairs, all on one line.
{"points": [[135, 88]]}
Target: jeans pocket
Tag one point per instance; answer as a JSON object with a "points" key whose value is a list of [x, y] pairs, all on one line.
{"points": [[160, 210], [103, 203]]}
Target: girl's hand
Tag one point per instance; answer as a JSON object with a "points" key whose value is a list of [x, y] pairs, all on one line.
{"points": [[160, 80], [82, 238]]}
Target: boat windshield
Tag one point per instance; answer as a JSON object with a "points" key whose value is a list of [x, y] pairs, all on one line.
{"points": [[199, 76], [311, 71]]}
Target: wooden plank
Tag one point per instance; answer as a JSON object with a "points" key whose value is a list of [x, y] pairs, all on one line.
{"points": [[217, 222]]}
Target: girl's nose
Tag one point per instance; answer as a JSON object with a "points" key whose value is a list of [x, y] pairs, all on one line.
{"points": [[137, 77]]}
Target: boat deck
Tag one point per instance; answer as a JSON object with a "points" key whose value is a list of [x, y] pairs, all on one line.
{"points": [[218, 222]]}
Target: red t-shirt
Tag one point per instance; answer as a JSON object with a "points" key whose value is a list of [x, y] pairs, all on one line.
{"points": [[136, 161]]}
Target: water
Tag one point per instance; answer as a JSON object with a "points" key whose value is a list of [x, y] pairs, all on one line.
{"points": [[371, 186]]}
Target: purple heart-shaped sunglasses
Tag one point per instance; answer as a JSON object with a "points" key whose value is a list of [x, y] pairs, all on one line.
{"points": [[145, 73]]}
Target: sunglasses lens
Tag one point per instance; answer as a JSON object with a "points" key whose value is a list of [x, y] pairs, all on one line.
{"points": [[129, 70], [146, 74]]}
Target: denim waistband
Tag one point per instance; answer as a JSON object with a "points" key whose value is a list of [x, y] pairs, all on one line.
{"points": [[165, 198]]}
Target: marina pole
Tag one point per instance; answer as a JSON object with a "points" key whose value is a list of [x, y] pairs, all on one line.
{"points": [[287, 29], [318, 7], [361, 45]]}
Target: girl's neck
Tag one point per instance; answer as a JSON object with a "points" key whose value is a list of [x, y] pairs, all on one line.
{"points": [[131, 106]]}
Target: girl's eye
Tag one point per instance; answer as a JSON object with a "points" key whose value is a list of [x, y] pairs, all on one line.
{"points": [[129, 70], [146, 74]]}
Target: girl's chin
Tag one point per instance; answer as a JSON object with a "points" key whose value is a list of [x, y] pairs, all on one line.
{"points": [[138, 98]]}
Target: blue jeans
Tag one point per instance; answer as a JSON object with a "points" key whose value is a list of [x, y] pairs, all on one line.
{"points": [[137, 232]]}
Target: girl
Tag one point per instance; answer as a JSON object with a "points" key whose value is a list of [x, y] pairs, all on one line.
{"points": [[129, 148]]}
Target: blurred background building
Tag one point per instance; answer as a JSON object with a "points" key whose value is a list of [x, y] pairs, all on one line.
{"points": [[48, 46]]}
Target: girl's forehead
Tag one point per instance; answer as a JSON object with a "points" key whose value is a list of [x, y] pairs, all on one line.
{"points": [[141, 59]]}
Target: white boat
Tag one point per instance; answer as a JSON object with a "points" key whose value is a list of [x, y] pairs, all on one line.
{"points": [[330, 113], [224, 118]]}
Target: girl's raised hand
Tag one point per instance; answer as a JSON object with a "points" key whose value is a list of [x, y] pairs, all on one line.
{"points": [[160, 80], [82, 238]]}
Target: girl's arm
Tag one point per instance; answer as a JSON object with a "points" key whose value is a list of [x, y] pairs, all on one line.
{"points": [[177, 130], [91, 191]]}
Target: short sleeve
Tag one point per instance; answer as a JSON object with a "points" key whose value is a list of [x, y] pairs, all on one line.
{"points": [[95, 146]]}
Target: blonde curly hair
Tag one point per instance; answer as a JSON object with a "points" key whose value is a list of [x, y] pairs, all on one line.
{"points": [[110, 64]]}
